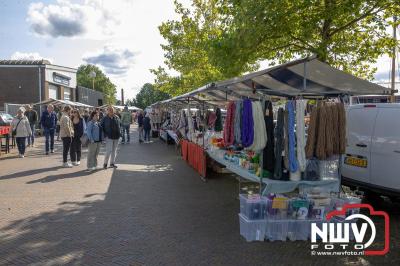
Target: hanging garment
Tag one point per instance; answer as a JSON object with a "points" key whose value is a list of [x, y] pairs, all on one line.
{"points": [[182, 124], [229, 136], [279, 144], [238, 122], [190, 126], [301, 134], [268, 153], [260, 133], [293, 164], [286, 139], [342, 128], [320, 150], [312, 133], [329, 130], [211, 119], [218, 121], [247, 131]]}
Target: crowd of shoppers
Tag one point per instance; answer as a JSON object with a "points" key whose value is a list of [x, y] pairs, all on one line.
{"points": [[76, 128]]}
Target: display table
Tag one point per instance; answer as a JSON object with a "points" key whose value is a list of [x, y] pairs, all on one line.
{"points": [[195, 156], [5, 133], [273, 186], [173, 136]]}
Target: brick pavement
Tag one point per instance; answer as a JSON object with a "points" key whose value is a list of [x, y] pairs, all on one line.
{"points": [[152, 210]]}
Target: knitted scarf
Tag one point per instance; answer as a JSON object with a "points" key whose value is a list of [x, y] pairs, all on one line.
{"points": [[238, 122], [260, 133], [247, 131], [279, 144], [268, 153], [300, 134], [229, 136], [218, 122]]}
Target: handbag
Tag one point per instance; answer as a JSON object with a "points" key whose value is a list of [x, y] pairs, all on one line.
{"points": [[84, 140], [14, 132]]}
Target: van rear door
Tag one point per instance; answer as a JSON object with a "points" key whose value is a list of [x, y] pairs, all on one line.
{"points": [[356, 163], [385, 150]]}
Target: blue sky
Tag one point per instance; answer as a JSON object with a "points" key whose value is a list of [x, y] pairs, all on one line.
{"points": [[120, 36]]}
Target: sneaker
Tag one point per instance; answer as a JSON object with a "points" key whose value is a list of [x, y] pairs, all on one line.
{"points": [[47, 153], [91, 169], [20, 156], [78, 163], [67, 165], [140, 141], [113, 166], [104, 166], [28, 145], [74, 163], [52, 151], [122, 142]]}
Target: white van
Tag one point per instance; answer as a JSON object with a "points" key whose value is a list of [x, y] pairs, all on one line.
{"points": [[372, 159]]}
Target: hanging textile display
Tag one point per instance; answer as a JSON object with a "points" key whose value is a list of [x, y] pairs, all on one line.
{"points": [[260, 133], [229, 135], [211, 119], [293, 165], [329, 130], [182, 123], [268, 152], [286, 139], [301, 134], [320, 149], [247, 132], [279, 144], [238, 122], [218, 121], [312, 134], [190, 126], [342, 127]]}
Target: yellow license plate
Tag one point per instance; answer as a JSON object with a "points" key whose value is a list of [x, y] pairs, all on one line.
{"points": [[354, 161]]}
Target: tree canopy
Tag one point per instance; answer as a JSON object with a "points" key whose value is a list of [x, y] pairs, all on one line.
{"points": [[101, 82], [147, 96], [219, 39]]}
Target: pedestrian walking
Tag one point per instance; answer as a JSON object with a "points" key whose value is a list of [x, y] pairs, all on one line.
{"points": [[21, 129], [140, 126], [126, 121], [48, 122], [79, 129], [94, 133], [112, 132], [86, 116], [32, 116], [66, 134], [147, 127]]}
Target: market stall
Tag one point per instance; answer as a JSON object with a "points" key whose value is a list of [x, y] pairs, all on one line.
{"points": [[284, 128]]}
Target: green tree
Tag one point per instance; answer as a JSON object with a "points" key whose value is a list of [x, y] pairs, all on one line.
{"points": [[149, 95], [347, 34], [187, 48], [101, 82]]}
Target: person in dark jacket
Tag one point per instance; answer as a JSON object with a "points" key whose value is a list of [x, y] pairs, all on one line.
{"points": [[32, 116], [140, 126], [48, 122], [112, 132], [147, 127], [79, 129]]}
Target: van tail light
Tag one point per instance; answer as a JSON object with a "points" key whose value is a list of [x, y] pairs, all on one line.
{"points": [[369, 105]]}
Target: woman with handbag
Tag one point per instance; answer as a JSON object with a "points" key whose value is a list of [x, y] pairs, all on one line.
{"points": [[21, 129], [79, 130], [66, 134], [94, 134]]}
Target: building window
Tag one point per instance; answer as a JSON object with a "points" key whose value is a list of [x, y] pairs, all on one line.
{"points": [[61, 79], [53, 92], [67, 94]]}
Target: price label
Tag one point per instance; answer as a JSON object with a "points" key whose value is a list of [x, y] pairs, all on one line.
{"points": [[279, 203]]}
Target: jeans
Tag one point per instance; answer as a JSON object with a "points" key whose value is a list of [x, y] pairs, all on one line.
{"points": [[111, 150], [147, 134], [21, 144], [66, 147], [125, 128], [76, 149], [49, 134], [31, 138], [140, 133], [93, 153]]}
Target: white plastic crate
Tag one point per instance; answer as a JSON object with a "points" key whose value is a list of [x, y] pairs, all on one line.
{"points": [[329, 169], [252, 230], [276, 230], [252, 207], [277, 208]]}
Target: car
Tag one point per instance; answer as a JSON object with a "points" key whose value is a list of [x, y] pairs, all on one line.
{"points": [[5, 119], [372, 159]]}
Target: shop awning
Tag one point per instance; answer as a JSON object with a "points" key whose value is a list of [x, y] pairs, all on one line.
{"points": [[63, 102], [303, 77]]}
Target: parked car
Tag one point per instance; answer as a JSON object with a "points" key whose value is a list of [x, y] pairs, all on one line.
{"points": [[372, 159], [5, 119]]}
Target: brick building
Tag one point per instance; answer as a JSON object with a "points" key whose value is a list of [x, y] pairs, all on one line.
{"points": [[32, 81]]}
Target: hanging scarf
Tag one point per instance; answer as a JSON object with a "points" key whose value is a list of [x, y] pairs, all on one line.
{"points": [[260, 133], [182, 123], [211, 119], [229, 136], [312, 133], [268, 153], [301, 134], [218, 122], [293, 165], [190, 126], [238, 122], [286, 139], [279, 144], [247, 131]]}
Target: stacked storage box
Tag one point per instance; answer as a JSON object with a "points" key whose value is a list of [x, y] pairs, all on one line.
{"points": [[252, 217]]}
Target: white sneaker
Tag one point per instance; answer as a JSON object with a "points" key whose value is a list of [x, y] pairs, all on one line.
{"points": [[74, 163], [78, 162], [67, 165]]}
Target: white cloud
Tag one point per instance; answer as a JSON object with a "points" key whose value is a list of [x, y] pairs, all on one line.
{"points": [[28, 56], [113, 60], [91, 19]]}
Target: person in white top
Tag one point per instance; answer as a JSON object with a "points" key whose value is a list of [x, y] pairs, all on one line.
{"points": [[21, 129]]}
